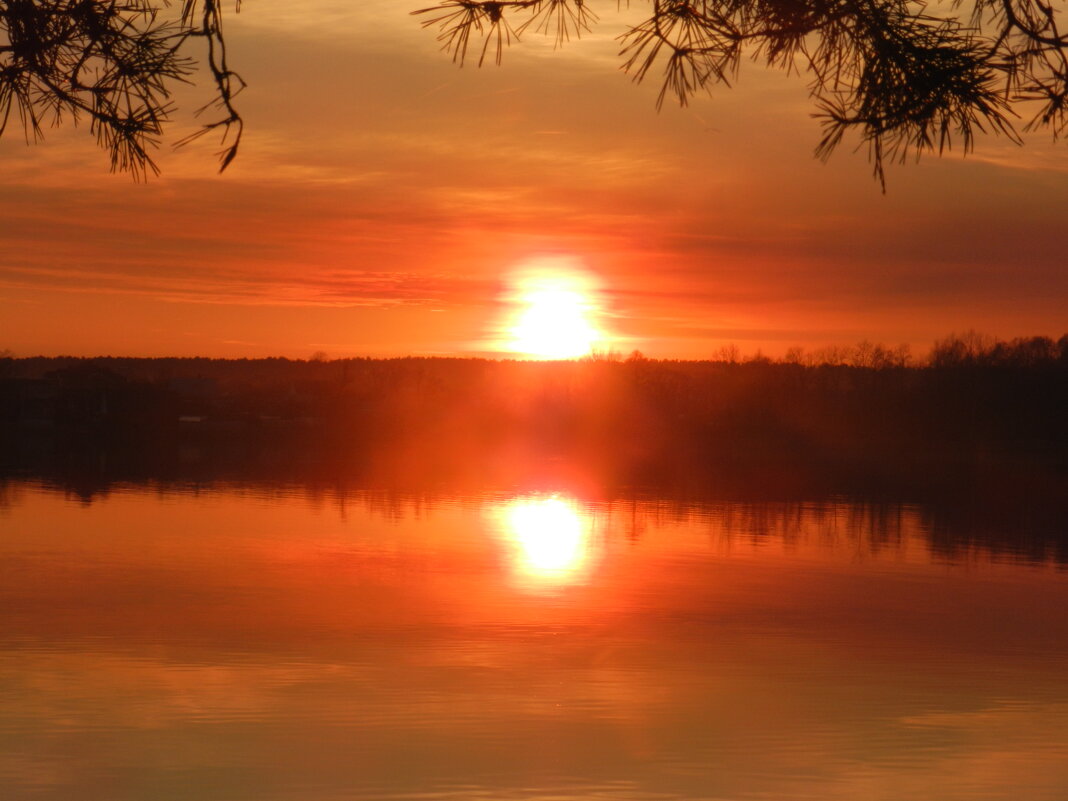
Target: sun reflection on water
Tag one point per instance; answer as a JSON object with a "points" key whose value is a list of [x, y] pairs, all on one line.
{"points": [[550, 537]]}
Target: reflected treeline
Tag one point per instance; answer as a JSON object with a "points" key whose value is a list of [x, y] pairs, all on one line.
{"points": [[952, 528]]}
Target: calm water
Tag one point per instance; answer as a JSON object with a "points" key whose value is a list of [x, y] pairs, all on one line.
{"points": [[270, 643]]}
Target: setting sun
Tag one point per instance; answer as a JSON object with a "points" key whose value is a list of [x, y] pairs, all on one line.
{"points": [[554, 306]]}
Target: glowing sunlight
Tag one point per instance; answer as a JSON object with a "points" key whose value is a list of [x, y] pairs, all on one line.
{"points": [[550, 538], [553, 308]]}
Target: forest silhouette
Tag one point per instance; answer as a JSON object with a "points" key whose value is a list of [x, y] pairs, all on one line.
{"points": [[971, 390], [863, 421]]}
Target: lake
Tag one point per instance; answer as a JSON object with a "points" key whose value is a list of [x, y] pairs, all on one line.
{"points": [[232, 641]]}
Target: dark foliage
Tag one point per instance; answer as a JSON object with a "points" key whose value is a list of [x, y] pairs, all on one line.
{"points": [[117, 63], [909, 78], [857, 405]]}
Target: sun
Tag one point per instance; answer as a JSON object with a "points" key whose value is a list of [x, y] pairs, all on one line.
{"points": [[554, 307], [553, 324]]}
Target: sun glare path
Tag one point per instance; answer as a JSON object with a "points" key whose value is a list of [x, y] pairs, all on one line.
{"points": [[550, 536], [555, 307]]}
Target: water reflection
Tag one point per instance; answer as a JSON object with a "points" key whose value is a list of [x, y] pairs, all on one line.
{"points": [[269, 644], [550, 538]]}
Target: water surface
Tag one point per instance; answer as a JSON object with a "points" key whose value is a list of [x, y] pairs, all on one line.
{"points": [[270, 642]]}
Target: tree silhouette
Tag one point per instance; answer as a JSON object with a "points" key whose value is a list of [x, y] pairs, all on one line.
{"points": [[116, 62], [907, 77]]}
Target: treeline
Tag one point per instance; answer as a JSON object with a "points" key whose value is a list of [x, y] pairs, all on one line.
{"points": [[975, 398], [977, 350], [970, 349]]}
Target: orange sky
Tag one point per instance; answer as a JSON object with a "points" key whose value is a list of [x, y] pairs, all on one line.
{"points": [[383, 196]]}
